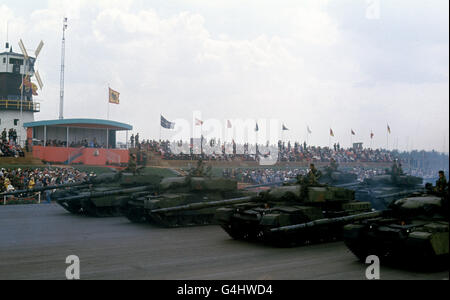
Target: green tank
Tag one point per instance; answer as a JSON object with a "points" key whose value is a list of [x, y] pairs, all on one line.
{"points": [[383, 189], [180, 201], [414, 229], [102, 196], [257, 218], [333, 177]]}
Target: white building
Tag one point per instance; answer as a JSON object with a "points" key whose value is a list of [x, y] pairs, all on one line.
{"points": [[16, 102]]}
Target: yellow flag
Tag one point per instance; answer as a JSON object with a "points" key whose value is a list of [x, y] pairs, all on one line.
{"points": [[114, 96]]}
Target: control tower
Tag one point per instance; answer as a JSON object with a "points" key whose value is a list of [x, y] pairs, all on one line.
{"points": [[16, 101]]}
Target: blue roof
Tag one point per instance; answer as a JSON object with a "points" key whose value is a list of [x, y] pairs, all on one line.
{"points": [[85, 123]]}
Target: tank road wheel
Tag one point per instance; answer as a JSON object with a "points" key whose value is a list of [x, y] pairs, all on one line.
{"points": [[135, 215], [72, 208], [116, 211], [233, 232], [360, 250], [103, 212], [238, 233]]}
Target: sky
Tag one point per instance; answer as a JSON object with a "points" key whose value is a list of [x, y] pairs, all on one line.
{"points": [[340, 65]]}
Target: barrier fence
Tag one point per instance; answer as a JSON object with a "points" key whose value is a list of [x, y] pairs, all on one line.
{"points": [[13, 200]]}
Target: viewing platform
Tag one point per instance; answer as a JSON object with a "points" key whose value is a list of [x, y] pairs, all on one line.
{"points": [[17, 105]]}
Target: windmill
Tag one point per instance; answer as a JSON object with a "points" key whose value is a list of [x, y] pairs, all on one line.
{"points": [[29, 70], [30, 61]]}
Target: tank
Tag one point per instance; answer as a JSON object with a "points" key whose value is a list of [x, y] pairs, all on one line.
{"points": [[255, 219], [383, 189], [335, 177], [103, 195], [414, 229], [182, 201]]}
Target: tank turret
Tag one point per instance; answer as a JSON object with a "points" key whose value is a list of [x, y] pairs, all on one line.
{"points": [[182, 201], [414, 229], [102, 196]]}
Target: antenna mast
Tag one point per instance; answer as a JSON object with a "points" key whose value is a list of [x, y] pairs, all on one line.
{"points": [[63, 54]]}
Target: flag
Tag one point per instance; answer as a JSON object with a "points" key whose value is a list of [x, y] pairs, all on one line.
{"points": [[27, 85], [257, 127], [229, 125], [285, 128], [166, 124], [34, 89], [309, 130], [331, 132], [353, 133], [389, 129], [114, 96], [372, 135], [198, 122]]}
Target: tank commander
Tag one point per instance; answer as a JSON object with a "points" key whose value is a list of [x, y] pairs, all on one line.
{"points": [[441, 184], [313, 174], [333, 165], [132, 164]]}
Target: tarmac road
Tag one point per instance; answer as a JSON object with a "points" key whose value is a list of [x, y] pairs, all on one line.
{"points": [[36, 239]]}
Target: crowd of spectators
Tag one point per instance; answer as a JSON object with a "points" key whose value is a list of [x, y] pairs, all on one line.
{"points": [[8, 144], [284, 152], [74, 144], [22, 179], [273, 175]]}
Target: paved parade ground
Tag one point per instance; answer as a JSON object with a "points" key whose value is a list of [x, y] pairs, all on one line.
{"points": [[36, 239]]}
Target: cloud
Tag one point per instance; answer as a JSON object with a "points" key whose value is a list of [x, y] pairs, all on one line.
{"points": [[305, 63]]}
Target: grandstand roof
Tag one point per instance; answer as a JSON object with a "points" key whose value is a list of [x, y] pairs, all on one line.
{"points": [[82, 123]]}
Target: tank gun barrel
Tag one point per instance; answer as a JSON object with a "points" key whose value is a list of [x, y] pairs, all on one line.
{"points": [[347, 185], [321, 222], [92, 180], [45, 188], [400, 194], [270, 184], [89, 195], [195, 206]]}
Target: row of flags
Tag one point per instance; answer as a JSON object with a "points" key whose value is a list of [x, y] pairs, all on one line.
{"points": [[170, 125], [114, 99]]}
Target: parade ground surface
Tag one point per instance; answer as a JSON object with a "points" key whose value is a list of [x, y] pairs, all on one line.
{"points": [[36, 239]]}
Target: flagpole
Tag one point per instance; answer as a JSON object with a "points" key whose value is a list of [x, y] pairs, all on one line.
{"points": [[201, 139], [351, 139], [109, 98], [160, 127]]}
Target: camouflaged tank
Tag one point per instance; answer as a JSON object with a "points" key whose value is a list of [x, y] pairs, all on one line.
{"points": [[332, 176], [190, 191], [103, 195], [413, 230], [383, 189], [255, 218]]}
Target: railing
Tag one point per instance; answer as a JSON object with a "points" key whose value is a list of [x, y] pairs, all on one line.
{"points": [[30, 199], [17, 105]]}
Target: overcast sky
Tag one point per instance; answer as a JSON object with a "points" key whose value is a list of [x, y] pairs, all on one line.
{"points": [[342, 64]]}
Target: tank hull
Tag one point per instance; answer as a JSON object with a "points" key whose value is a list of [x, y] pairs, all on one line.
{"points": [[255, 221]]}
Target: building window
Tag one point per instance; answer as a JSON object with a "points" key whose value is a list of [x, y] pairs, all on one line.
{"points": [[16, 121], [4, 60]]}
